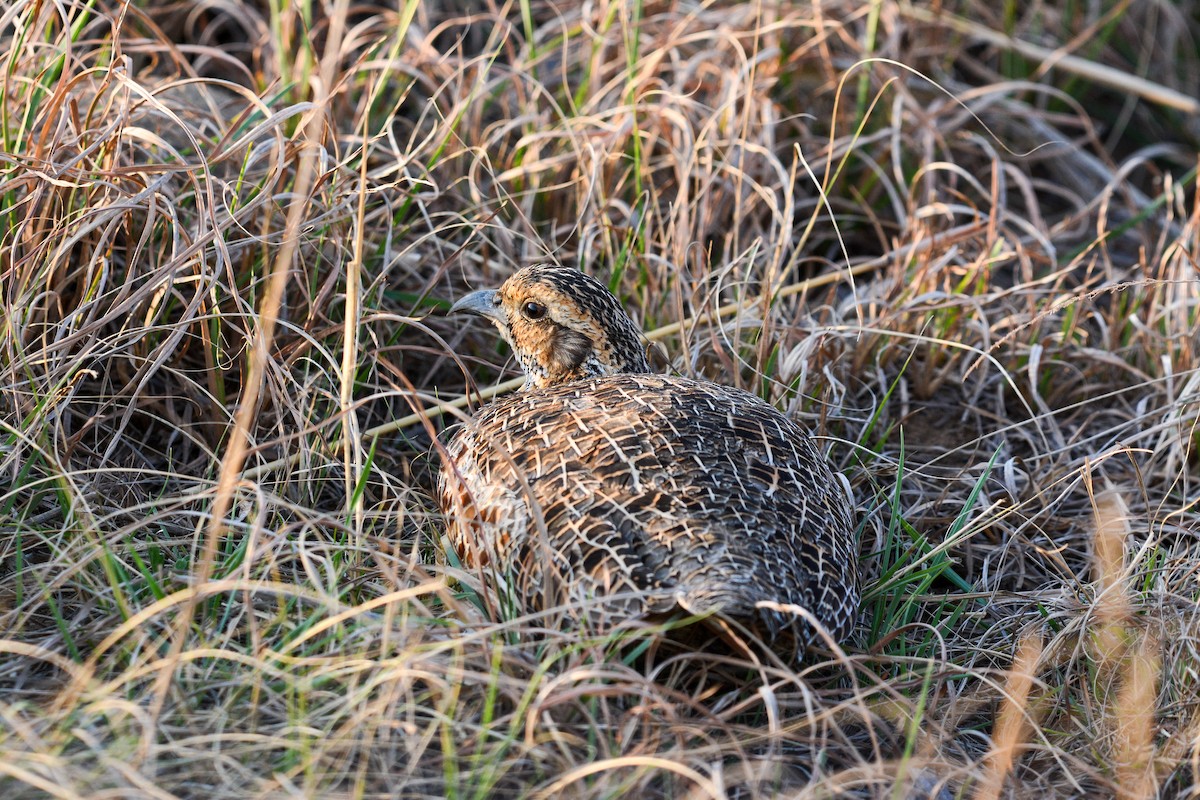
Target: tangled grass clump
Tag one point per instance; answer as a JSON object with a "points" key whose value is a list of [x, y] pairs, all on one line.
{"points": [[961, 249]]}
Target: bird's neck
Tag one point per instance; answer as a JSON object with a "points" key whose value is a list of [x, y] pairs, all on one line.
{"points": [[571, 355], [538, 377]]}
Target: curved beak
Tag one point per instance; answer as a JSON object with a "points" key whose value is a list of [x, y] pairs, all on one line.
{"points": [[485, 303]]}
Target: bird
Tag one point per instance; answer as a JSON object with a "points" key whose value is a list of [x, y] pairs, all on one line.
{"points": [[600, 484]]}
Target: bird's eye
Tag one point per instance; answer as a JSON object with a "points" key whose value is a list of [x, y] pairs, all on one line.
{"points": [[533, 311]]}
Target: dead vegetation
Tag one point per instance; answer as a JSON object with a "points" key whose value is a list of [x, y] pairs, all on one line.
{"points": [[226, 233]]}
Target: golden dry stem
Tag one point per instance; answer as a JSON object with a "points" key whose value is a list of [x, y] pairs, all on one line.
{"points": [[1133, 717], [1013, 723], [1112, 608]]}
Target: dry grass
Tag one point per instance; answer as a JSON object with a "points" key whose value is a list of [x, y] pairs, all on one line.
{"points": [[225, 234]]}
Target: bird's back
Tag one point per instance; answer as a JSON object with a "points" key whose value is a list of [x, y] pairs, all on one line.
{"points": [[685, 493]]}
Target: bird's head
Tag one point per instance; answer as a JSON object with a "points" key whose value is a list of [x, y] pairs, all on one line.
{"points": [[562, 325]]}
